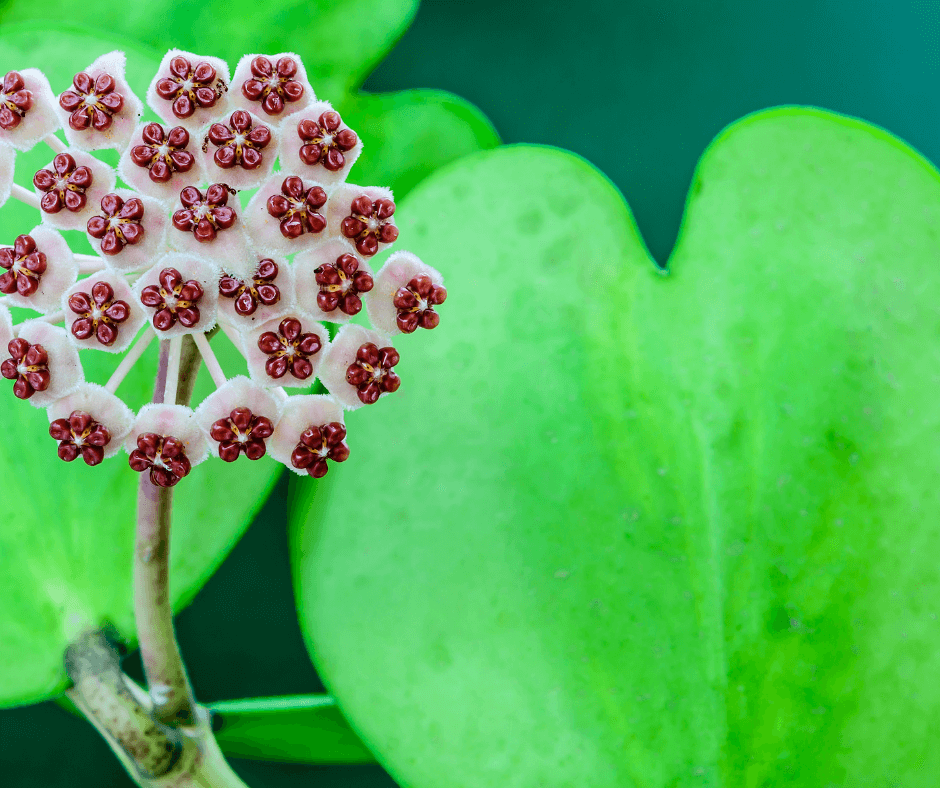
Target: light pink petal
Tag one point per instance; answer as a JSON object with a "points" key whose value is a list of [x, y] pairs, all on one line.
{"points": [[136, 257], [238, 177], [7, 162], [285, 283], [340, 205], [239, 392], [264, 230], [6, 330]]}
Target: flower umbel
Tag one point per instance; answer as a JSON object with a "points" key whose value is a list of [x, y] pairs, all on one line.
{"points": [[212, 267]]}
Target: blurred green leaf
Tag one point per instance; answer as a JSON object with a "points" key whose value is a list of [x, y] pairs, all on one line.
{"points": [[620, 528], [408, 135], [299, 729], [67, 531], [340, 41]]}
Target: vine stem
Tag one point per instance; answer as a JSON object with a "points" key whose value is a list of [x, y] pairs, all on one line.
{"points": [[163, 738], [169, 685]]}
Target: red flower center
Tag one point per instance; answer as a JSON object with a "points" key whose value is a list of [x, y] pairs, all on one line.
{"points": [[24, 265], [298, 208], [241, 432], [91, 102], [317, 445], [119, 225], [238, 142], [28, 367], [80, 435], [324, 142], [248, 294], [340, 285], [204, 215], [372, 374], [273, 84], [99, 313], [415, 303], [189, 88], [163, 455], [370, 223], [173, 300], [15, 101], [64, 186], [289, 349], [163, 153]]}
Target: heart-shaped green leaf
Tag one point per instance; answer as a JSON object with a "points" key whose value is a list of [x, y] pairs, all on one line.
{"points": [[340, 41], [620, 528], [409, 134], [67, 531]]}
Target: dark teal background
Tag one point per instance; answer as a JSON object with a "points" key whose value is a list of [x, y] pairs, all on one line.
{"points": [[639, 89]]}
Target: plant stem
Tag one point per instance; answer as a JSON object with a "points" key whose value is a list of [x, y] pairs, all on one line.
{"points": [[153, 610]]}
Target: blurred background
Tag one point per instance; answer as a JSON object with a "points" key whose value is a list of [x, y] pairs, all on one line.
{"points": [[637, 87]]}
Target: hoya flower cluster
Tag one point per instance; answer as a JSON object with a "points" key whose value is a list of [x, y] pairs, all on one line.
{"points": [[177, 255]]}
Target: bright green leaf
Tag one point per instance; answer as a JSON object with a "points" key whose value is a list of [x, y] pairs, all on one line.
{"points": [[620, 528], [300, 729], [340, 41], [408, 135], [67, 531]]}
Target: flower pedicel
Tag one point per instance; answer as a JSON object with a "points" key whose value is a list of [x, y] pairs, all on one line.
{"points": [[177, 255]]}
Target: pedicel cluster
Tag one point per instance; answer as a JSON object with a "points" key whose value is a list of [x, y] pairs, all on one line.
{"points": [[178, 256]]}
